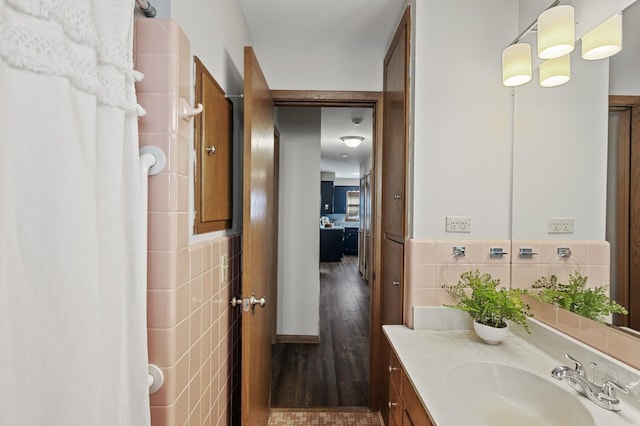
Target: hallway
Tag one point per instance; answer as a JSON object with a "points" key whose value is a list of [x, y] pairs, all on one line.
{"points": [[334, 373]]}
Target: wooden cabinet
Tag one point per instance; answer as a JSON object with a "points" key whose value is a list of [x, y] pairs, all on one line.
{"points": [[404, 406], [395, 142], [213, 130], [392, 283]]}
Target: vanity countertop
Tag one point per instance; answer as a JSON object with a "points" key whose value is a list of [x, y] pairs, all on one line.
{"points": [[428, 355]]}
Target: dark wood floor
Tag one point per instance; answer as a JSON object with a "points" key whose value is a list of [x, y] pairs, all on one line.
{"points": [[334, 373]]}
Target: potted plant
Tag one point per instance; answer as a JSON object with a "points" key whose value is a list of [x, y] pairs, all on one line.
{"points": [[592, 303], [489, 306]]}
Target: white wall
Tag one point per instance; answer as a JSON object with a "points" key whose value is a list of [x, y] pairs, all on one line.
{"points": [[218, 33], [321, 67], [461, 119], [299, 233]]}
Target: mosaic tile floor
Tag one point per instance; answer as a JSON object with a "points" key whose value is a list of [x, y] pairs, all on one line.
{"points": [[300, 418]]}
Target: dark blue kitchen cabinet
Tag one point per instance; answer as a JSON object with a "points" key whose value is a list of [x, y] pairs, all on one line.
{"points": [[351, 241], [331, 244], [340, 198], [326, 197]]}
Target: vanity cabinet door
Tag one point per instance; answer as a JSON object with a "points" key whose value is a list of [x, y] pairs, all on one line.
{"points": [[395, 370], [414, 413], [395, 405]]}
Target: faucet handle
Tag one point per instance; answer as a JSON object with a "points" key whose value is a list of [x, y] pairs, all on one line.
{"points": [[579, 368], [609, 386]]}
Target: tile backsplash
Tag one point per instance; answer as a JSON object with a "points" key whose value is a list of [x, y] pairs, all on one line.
{"points": [[430, 263]]}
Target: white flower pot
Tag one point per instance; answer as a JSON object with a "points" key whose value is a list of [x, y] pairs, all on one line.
{"points": [[490, 335]]}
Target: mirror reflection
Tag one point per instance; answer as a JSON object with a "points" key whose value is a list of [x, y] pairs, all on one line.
{"points": [[575, 175]]}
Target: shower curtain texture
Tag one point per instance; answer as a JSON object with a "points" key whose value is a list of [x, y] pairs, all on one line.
{"points": [[73, 348]]}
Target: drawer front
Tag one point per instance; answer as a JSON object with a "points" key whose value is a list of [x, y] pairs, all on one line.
{"points": [[395, 370], [414, 412], [395, 405]]}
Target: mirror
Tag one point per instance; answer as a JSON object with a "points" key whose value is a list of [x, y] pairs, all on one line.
{"points": [[560, 158]]}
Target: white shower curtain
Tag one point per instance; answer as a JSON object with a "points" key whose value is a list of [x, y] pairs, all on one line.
{"points": [[73, 347]]}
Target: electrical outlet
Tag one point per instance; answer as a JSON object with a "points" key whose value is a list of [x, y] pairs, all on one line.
{"points": [[458, 224], [224, 268], [559, 225]]}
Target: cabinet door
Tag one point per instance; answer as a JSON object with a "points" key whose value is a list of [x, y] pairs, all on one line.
{"points": [[395, 141], [392, 282], [414, 412], [213, 130], [326, 195], [395, 405]]}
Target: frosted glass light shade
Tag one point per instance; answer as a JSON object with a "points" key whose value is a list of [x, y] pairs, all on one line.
{"points": [[555, 72], [556, 32], [516, 64], [604, 40], [352, 141]]}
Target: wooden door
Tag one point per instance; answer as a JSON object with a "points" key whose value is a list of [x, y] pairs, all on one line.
{"points": [[259, 232]]}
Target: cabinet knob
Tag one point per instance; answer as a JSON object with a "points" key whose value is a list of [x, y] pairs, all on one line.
{"points": [[210, 150], [392, 404], [395, 283], [392, 369], [397, 196]]}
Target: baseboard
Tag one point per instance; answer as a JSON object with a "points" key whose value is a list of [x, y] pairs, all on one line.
{"points": [[292, 338]]}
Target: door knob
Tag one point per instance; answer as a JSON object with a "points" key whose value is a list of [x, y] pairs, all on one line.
{"points": [[236, 301], [255, 301]]}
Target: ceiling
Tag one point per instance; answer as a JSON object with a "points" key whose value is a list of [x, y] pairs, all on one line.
{"points": [[344, 23], [338, 122], [358, 23]]}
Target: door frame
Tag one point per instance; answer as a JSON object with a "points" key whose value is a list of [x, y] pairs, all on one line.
{"points": [[355, 99]]}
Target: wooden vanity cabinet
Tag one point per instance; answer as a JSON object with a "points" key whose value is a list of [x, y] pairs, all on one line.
{"points": [[395, 404], [405, 408], [414, 413]]}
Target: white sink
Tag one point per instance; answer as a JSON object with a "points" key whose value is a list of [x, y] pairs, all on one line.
{"points": [[499, 395]]}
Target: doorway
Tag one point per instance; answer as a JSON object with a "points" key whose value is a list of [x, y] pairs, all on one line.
{"points": [[343, 283], [623, 206]]}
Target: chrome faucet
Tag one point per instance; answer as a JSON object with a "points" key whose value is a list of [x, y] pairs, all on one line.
{"points": [[603, 396]]}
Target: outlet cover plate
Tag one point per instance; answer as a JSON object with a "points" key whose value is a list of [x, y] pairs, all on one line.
{"points": [[559, 225], [224, 268], [458, 224]]}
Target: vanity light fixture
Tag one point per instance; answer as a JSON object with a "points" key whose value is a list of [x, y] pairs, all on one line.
{"points": [[352, 141], [604, 40], [516, 64], [556, 32], [555, 72]]}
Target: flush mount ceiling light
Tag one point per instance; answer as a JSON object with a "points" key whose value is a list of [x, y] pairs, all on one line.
{"points": [[352, 141], [516, 64], [555, 72], [556, 32], [604, 40]]}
